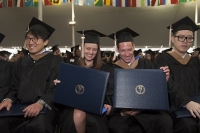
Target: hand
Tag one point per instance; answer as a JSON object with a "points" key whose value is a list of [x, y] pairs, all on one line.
{"points": [[166, 71], [108, 107], [6, 104], [56, 81], [33, 110], [193, 108], [129, 112]]}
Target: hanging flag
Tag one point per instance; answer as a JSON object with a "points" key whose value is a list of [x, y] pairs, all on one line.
{"points": [[5, 3], [35, 3], [144, 3], [108, 2], [20, 3], [98, 2], [89, 2], [28, 3], [1, 3], [47, 2], [79, 2], [138, 3], [162, 2], [56, 2], [10, 3], [174, 1], [155, 3], [182, 1]]}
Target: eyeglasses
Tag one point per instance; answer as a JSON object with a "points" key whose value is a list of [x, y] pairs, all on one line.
{"points": [[34, 39], [183, 38]]}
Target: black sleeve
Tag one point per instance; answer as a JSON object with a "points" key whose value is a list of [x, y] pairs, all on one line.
{"points": [[5, 78]]}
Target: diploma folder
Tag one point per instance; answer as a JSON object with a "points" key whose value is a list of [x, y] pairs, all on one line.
{"points": [[183, 112], [17, 110], [143, 89], [81, 88]]}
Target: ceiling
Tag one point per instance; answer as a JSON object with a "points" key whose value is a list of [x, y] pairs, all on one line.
{"points": [[149, 22]]}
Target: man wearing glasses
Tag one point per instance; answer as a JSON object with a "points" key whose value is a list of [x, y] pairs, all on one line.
{"points": [[184, 75]]}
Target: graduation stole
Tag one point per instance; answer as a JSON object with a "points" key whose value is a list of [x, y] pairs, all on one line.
{"points": [[183, 61], [126, 66]]}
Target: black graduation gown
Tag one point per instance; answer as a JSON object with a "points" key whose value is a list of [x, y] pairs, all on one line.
{"points": [[186, 74], [183, 83], [32, 79], [94, 123], [144, 122], [5, 78]]}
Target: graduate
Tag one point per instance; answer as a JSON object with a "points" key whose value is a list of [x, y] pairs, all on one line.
{"points": [[77, 121], [55, 50], [130, 120], [5, 74], [184, 70], [32, 83]]}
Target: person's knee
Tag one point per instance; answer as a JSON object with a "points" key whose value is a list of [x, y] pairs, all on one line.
{"points": [[79, 115]]}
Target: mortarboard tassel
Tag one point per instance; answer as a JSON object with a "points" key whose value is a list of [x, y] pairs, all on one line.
{"points": [[115, 52], [82, 45]]}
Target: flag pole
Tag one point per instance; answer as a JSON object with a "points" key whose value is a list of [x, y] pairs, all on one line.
{"points": [[40, 10], [170, 36], [72, 23], [196, 22]]}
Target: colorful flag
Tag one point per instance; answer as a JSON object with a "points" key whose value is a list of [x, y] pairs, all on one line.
{"points": [[20, 3], [138, 3], [155, 3], [162, 2], [47, 2], [5, 3], [35, 3], [108, 2], [79, 2], [182, 1], [56, 2], [89, 2], [144, 3], [174, 1], [28, 3], [98, 2], [1, 3]]}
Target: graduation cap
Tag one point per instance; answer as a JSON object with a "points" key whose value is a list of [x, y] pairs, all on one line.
{"points": [[24, 51], [197, 49], [124, 35], [184, 24], [69, 54], [38, 25], [74, 48], [139, 51], [54, 48], [166, 50], [1, 37], [149, 52], [92, 36]]}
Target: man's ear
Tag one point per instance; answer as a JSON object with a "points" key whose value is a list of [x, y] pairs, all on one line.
{"points": [[46, 42], [172, 39]]}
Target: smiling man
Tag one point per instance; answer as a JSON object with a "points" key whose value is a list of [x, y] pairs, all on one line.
{"points": [[130, 120], [185, 70], [33, 83]]}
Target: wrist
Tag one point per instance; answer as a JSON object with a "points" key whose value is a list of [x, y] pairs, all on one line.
{"points": [[8, 100]]}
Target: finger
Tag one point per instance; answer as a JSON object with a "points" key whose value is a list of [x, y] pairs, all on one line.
{"points": [[191, 112], [8, 106]]}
